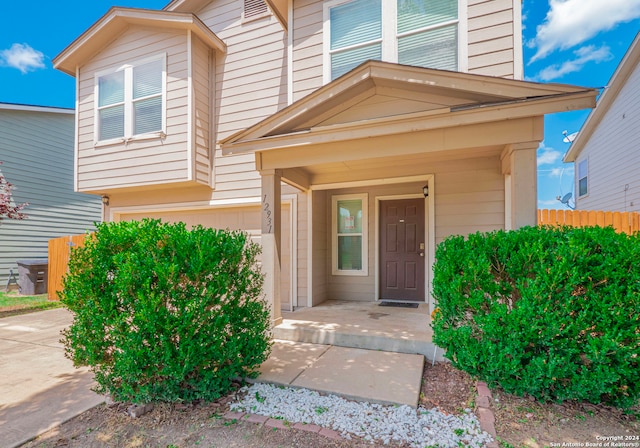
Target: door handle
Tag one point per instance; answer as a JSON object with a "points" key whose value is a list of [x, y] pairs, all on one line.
{"points": [[422, 254]]}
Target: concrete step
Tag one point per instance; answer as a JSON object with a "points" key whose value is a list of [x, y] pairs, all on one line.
{"points": [[357, 337]]}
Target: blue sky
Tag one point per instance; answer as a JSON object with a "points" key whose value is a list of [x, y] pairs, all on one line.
{"points": [[576, 42]]}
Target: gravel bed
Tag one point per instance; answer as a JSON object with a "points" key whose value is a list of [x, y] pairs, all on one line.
{"points": [[373, 422]]}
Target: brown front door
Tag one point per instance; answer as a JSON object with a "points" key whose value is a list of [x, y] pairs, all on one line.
{"points": [[402, 249]]}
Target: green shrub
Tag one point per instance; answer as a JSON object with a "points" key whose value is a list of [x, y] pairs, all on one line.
{"points": [[165, 314], [551, 312]]}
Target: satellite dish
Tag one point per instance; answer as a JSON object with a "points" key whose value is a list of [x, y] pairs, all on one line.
{"points": [[568, 138], [565, 200]]}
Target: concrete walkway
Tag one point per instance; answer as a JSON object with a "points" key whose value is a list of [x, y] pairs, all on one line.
{"points": [[358, 374], [39, 387]]}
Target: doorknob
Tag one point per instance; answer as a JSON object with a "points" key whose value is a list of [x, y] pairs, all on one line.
{"points": [[422, 254]]}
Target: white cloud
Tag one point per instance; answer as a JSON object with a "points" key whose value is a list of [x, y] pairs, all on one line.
{"points": [[547, 155], [583, 55], [22, 57], [571, 22]]}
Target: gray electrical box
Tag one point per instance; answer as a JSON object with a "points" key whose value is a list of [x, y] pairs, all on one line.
{"points": [[32, 276]]}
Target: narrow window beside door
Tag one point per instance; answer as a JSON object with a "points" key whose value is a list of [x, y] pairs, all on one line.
{"points": [[349, 223]]}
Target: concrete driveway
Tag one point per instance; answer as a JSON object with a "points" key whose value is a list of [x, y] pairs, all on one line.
{"points": [[39, 387]]}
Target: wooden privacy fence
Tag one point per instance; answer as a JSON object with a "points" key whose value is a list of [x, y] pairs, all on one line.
{"points": [[627, 222], [59, 251]]}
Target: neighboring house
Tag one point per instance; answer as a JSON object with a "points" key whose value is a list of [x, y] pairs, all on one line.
{"points": [[606, 152], [36, 148], [269, 116]]}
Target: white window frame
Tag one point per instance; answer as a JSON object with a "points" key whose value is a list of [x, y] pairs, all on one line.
{"points": [[389, 35], [129, 102], [364, 198], [586, 177]]}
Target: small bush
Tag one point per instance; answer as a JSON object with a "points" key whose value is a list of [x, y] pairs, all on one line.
{"points": [[163, 313], [551, 312]]}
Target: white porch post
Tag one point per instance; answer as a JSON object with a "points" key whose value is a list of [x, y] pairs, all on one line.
{"points": [[271, 234], [519, 165]]}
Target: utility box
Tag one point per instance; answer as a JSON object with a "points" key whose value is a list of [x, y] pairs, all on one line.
{"points": [[32, 276]]}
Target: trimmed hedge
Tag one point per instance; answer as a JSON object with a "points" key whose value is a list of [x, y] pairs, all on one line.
{"points": [[550, 312], [163, 313]]}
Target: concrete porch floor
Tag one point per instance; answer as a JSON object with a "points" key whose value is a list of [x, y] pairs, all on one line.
{"points": [[364, 325]]}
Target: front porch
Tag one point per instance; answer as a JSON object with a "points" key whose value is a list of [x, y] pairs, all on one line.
{"points": [[362, 325]]}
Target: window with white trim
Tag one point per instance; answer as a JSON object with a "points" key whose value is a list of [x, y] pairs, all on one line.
{"points": [[583, 174], [423, 33], [131, 100], [349, 234]]}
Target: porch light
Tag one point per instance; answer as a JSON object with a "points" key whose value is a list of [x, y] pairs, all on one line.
{"points": [[105, 200], [425, 190]]}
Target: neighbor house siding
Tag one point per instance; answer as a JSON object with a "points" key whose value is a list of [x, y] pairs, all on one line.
{"points": [[141, 162], [613, 154], [490, 30], [36, 149]]}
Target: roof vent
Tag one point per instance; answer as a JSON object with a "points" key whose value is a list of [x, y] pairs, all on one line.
{"points": [[253, 8]]}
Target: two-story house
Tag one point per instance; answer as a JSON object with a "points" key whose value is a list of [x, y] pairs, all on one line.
{"points": [[348, 136], [606, 152]]}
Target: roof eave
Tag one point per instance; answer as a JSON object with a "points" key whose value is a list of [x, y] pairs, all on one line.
{"points": [[509, 89], [417, 121], [117, 19]]}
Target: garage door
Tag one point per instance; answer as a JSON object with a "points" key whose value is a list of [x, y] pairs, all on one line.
{"points": [[236, 218]]}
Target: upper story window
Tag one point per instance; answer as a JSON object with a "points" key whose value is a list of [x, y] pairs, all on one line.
{"points": [[583, 174], [131, 100], [423, 33]]}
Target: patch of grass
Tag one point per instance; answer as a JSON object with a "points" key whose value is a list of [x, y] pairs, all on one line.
{"points": [[11, 303]]}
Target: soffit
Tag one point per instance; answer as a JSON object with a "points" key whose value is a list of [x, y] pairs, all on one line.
{"points": [[116, 20]]}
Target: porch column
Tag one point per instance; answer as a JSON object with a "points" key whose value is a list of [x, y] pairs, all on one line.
{"points": [[271, 233], [519, 164]]}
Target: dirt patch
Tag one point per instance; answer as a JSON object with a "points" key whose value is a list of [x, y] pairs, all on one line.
{"points": [[527, 422], [446, 388], [519, 422]]}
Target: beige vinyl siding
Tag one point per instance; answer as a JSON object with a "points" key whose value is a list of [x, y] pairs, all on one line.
{"points": [[490, 35], [490, 42], [236, 218], [307, 47], [36, 149], [613, 153], [202, 83], [250, 85], [303, 249], [320, 246], [469, 197], [141, 162]]}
